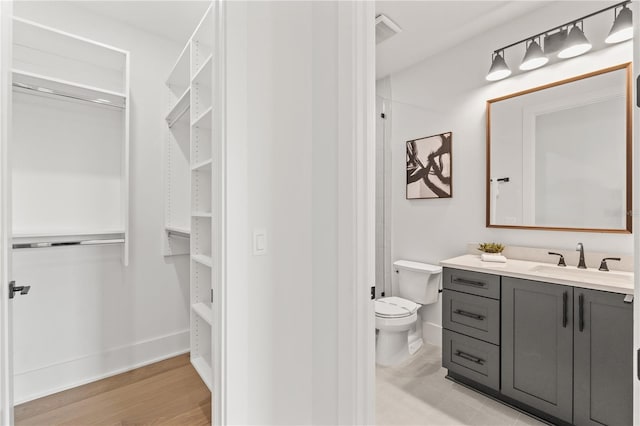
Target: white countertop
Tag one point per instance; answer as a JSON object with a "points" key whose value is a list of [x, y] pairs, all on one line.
{"points": [[613, 281]]}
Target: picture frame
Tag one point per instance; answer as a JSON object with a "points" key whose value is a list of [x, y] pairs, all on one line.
{"points": [[429, 167]]}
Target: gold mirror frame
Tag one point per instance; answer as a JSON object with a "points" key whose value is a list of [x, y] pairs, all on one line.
{"points": [[629, 152]]}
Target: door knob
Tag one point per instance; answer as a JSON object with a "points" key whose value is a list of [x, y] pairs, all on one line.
{"points": [[13, 289]]}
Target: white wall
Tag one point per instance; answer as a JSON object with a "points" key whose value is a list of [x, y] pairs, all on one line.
{"points": [[88, 316], [448, 93], [290, 171], [280, 201]]}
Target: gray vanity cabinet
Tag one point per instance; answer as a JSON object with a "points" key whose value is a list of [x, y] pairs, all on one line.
{"points": [[562, 353], [537, 345], [603, 361]]}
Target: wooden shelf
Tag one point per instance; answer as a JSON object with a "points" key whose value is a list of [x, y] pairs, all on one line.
{"points": [[202, 259], [178, 231], [180, 108], [204, 120], [203, 369], [205, 312], [202, 166], [51, 86]]}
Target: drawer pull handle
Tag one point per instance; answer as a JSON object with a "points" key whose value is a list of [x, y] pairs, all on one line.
{"points": [[565, 309], [468, 282], [470, 357], [581, 312], [469, 315]]}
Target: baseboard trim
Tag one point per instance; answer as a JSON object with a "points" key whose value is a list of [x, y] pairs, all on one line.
{"points": [[432, 333], [44, 381]]}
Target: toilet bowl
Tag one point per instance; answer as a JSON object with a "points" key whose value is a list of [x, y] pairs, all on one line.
{"points": [[395, 319], [399, 333]]}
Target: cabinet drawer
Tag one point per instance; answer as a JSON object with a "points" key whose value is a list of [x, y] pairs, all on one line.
{"points": [[471, 358], [486, 285], [472, 315]]}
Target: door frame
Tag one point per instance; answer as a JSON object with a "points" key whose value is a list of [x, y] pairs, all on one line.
{"points": [[6, 352], [356, 313], [635, 5]]}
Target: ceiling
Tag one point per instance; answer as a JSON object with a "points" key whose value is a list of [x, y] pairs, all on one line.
{"points": [[429, 27], [174, 20]]}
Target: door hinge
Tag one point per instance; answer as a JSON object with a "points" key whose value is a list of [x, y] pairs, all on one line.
{"points": [[373, 292], [13, 289], [211, 295], [383, 115], [638, 364]]}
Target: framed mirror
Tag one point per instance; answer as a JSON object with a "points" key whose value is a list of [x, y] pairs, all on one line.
{"points": [[559, 156]]}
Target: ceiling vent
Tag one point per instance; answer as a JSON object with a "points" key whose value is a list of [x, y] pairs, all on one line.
{"points": [[385, 28]]}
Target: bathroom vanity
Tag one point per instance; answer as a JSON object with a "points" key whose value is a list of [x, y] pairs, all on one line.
{"points": [[555, 342]]}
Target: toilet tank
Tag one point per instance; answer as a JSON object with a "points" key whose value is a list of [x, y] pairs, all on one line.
{"points": [[418, 282]]}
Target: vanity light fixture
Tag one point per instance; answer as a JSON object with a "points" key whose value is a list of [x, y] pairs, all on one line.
{"points": [[567, 40], [534, 57], [576, 43], [499, 68], [622, 28]]}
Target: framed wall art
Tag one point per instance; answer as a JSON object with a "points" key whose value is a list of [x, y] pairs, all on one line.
{"points": [[429, 167]]}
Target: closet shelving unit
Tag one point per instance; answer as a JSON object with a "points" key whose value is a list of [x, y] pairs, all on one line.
{"points": [[190, 172], [70, 151], [177, 167]]}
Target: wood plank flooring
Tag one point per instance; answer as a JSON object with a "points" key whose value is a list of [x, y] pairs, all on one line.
{"points": [[167, 393]]}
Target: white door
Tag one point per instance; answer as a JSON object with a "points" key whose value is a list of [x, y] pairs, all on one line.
{"points": [[6, 352], [636, 222]]}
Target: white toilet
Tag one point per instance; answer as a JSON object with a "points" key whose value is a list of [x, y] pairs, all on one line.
{"points": [[399, 334]]}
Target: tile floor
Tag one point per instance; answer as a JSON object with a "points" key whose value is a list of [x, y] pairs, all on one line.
{"points": [[417, 393]]}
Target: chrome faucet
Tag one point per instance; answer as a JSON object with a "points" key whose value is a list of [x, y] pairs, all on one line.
{"points": [[581, 264]]}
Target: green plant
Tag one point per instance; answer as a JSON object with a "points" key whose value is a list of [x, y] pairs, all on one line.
{"points": [[491, 247]]}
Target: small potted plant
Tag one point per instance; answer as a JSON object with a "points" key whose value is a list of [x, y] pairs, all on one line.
{"points": [[492, 252]]}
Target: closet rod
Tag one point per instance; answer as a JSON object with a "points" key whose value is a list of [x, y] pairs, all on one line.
{"points": [[64, 95], [68, 243], [178, 233]]}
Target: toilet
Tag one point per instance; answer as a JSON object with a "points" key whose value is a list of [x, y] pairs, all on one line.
{"points": [[399, 331]]}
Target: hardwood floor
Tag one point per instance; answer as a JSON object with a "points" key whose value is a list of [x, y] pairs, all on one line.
{"points": [[169, 392]]}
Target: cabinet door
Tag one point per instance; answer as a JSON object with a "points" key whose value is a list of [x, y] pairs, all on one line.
{"points": [[537, 345], [603, 361]]}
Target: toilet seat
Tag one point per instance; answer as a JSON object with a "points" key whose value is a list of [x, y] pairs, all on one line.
{"points": [[395, 307]]}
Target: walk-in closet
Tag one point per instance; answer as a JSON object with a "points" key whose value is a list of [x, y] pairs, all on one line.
{"points": [[115, 184]]}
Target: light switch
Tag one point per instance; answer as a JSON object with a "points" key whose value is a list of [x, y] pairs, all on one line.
{"points": [[259, 242]]}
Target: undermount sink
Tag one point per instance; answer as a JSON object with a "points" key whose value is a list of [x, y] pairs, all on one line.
{"points": [[585, 275]]}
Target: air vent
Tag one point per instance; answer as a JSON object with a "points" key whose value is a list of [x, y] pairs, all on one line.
{"points": [[385, 28]]}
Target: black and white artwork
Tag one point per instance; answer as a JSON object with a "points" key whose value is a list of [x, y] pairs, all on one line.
{"points": [[429, 167]]}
